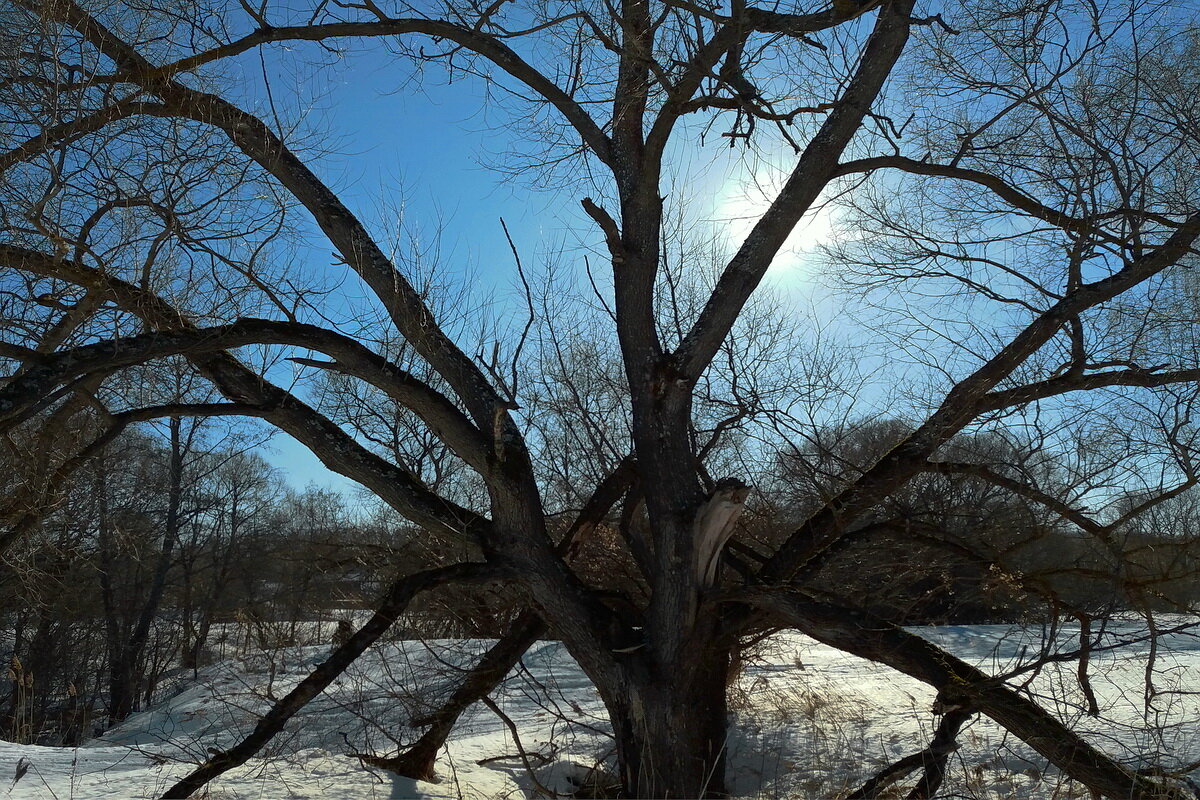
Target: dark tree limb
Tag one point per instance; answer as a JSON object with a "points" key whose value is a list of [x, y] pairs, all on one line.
{"points": [[772, 20], [1005, 191], [516, 531], [404, 304], [42, 373], [65, 132], [799, 25], [397, 598], [337, 450], [481, 43], [964, 403], [938, 755], [1052, 387], [418, 760], [932, 759], [961, 684], [812, 172]]}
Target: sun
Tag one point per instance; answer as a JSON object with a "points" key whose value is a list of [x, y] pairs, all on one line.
{"points": [[744, 198]]}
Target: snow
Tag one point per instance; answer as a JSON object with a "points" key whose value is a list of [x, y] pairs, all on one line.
{"points": [[809, 722]]}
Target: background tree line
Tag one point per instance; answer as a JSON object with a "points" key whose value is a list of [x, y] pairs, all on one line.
{"points": [[168, 550], [172, 548]]}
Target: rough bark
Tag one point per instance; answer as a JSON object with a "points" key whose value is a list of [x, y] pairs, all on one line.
{"points": [[671, 731]]}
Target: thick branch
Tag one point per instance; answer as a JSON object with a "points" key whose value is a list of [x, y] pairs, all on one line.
{"points": [[345, 231], [1020, 395], [772, 21], [957, 681], [812, 172], [397, 598], [764, 20], [932, 759], [963, 403], [337, 450], [1006, 192], [417, 761], [42, 374], [68, 131], [476, 41]]}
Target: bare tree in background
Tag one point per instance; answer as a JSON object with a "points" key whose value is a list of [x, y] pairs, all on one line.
{"points": [[1020, 186]]}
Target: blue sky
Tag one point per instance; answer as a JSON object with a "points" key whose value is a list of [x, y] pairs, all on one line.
{"points": [[412, 148]]}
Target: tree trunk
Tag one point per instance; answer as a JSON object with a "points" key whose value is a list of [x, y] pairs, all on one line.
{"points": [[671, 731], [127, 674], [192, 648], [121, 691]]}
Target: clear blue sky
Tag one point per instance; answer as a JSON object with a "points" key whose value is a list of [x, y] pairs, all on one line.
{"points": [[387, 145]]}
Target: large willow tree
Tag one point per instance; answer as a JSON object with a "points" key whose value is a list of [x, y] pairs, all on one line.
{"points": [[1019, 178]]}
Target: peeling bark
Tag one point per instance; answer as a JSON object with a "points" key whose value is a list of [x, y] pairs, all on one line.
{"points": [[715, 524]]}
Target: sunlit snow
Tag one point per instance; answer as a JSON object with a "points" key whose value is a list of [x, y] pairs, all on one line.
{"points": [[809, 722]]}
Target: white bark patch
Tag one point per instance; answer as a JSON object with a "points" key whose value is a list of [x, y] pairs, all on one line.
{"points": [[714, 525]]}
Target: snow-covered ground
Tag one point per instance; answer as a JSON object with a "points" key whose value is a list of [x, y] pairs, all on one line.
{"points": [[810, 722]]}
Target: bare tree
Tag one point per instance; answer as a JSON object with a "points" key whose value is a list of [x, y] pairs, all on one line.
{"points": [[1029, 172]]}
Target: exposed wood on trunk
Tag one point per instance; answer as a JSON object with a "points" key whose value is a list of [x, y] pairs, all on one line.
{"points": [[715, 524]]}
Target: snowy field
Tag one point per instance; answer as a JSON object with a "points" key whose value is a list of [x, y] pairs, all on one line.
{"points": [[810, 722]]}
